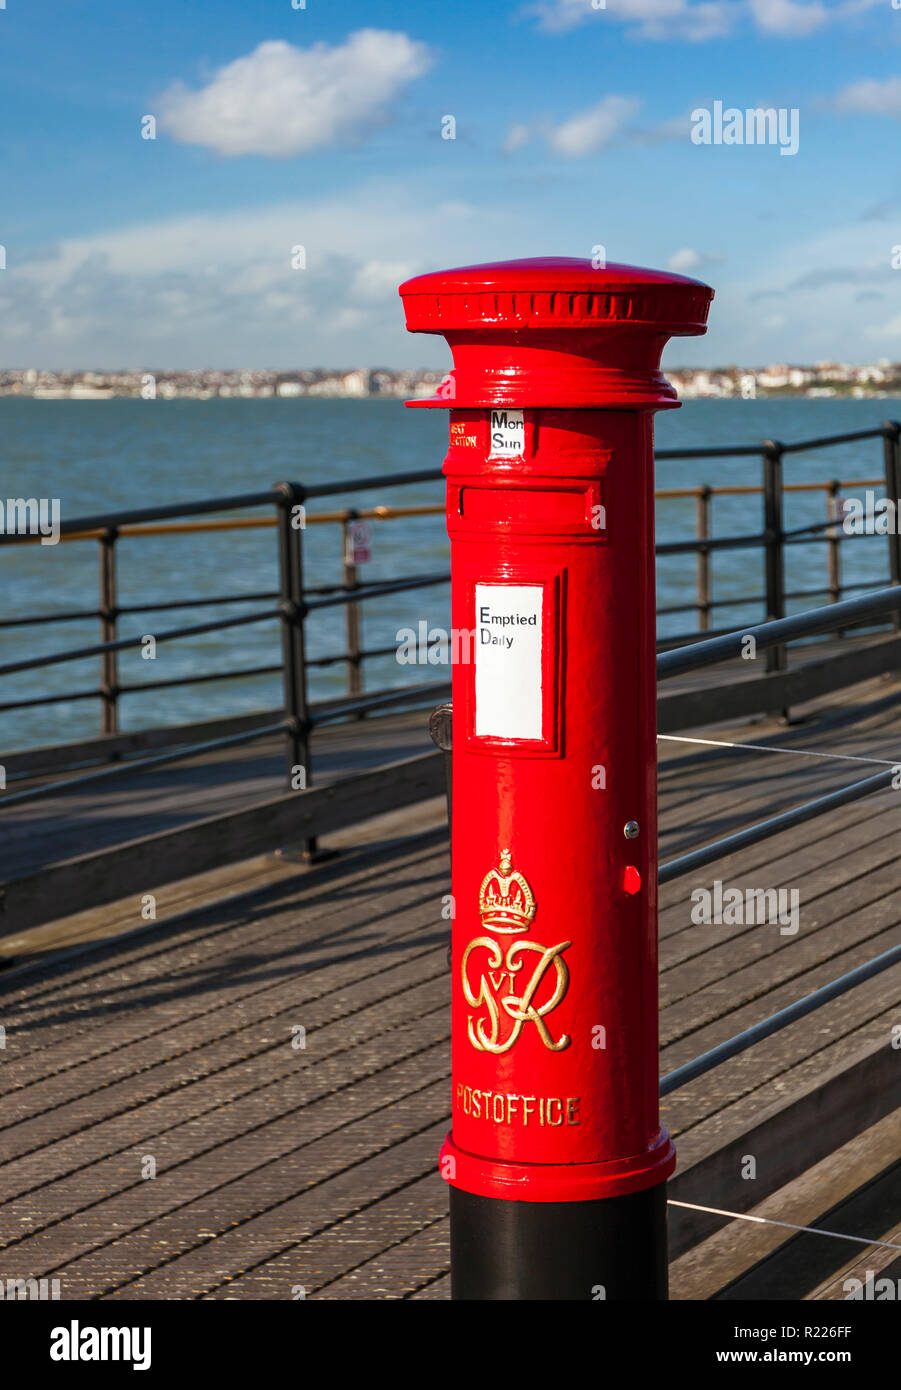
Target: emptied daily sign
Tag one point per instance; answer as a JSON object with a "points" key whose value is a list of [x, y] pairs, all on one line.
{"points": [[509, 622]]}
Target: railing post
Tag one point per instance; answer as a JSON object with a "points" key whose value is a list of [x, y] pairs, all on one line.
{"points": [[835, 560], [892, 455], [834, 553], [352, 610], [775, 546], [293, 611], [109, 614], [703, 533]]}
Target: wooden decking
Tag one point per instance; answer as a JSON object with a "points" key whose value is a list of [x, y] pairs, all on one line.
{"points": [[171, 1049], [138, 803]]}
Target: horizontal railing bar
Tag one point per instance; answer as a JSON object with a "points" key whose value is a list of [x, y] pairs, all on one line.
{"points": [[123, 643], [698, 544], [709, 604], [198, 680], [754, 489], [106, 521], [378, 651], [773, 634], [858, 584], [139, 765], [694, 638], [827, 439], [352, 595], [691, 606], [797, 535], [126, 608], [685, 639], [332, 660], [749, 450], [690, 1071], [822, 526], [389, 513], [378, 590], [335, 658], [432, 690], [786, 820], [422, 475], [37, 700], [35, 619], [723, 451], [343, 596], [244, 523], [377, 513], [713, 543]]}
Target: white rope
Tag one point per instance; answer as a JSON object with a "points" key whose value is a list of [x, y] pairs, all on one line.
{"points": [[768, 748], [768, 1221]]}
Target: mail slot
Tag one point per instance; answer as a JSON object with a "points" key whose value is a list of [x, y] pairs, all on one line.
{"points": [[534, 507]]}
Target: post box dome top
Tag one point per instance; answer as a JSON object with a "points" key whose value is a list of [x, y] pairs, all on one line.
{"points": [[555, 292], [555, 331]]}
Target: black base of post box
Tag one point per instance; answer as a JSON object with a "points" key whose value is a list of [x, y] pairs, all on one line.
{"points": [[613, 1248]]}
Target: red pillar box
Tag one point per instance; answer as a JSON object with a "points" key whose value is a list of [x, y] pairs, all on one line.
{"points": [[556, 1158]]}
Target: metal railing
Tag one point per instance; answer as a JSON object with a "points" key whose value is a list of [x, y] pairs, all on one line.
{"points": [[295, 601], [772, 636], [767, 636], [775, 538]]}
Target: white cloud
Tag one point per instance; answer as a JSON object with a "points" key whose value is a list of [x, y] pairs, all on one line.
{"points": [[687, 260], [584, 132], [218, 289], [890, 329], [787, 18], [281, 100], [378, 280], [822, 316], [596, 128], [697, 21], [871, 98], [655, 19], [592, 130], [517, 136]]}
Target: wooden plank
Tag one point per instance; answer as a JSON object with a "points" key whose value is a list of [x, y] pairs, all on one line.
{"points": [[322, 1174], [739, 698], [872, 1264], [300, 913], [350, 1244], [740, 1246], [70, 820], [320, 952], [58, 757], [400, 1268], [229, 1144], [770, 1067], [206, 844], [824, 1106], [309, 1188], [801, 1263], [743, 962], [32, 762]]}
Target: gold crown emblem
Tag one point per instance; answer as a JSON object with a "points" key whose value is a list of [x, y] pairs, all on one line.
{"points": [[506, 901]]}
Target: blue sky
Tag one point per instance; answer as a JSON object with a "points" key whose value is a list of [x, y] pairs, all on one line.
{"points": [[321, 127]]}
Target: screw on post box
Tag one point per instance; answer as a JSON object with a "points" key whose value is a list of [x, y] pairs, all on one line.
{"points": [[556, 1159]]}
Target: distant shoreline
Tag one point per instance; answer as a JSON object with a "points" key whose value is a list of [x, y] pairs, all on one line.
{"points": [[824, 380], [56, 396]]}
